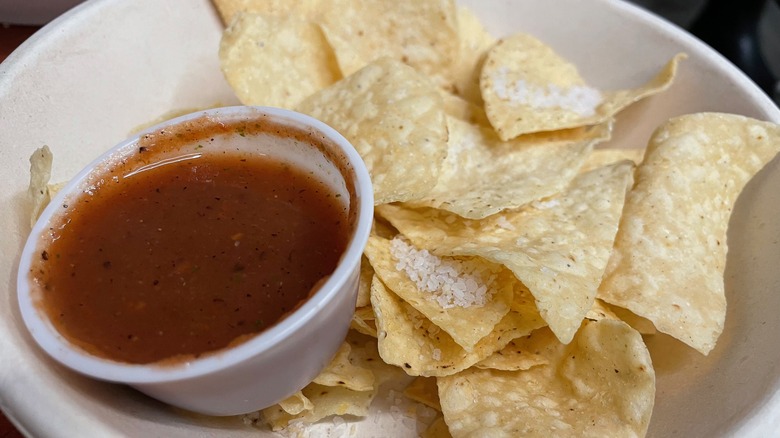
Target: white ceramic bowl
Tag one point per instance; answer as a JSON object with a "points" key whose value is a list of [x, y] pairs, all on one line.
{"points": [[283, 358], [86, 80]]}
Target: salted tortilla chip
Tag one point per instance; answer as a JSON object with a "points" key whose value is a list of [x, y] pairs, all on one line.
{"points": [[465, 297], [296, 403], [424, 390], [475, 41], [421, 34], [670, 251], [38, 190], [326, 401], [276, 61], [410, 341], [527, 87], [395, 119], [602, 384], [606, 156], [305, 9], [557, 247], [482, 175], [345, 371]]}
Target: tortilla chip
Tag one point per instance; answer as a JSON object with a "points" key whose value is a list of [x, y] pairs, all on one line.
{"points": [[521, 353], [366, 352], [421, 34], [343, 371], [40, 173], [437, 429], [364, 283], [602, 384], [463, 110], [305, 9], [558, 247], [601, 310], [410, 341], [395, 119], [603, 157], [670, 251], [326, 401], [363, 320], [642, 325], [382, 228], [465, 297], [276, 61], [474, 44], [482, 175], [423, 390], [296, 403], [527, 87]]}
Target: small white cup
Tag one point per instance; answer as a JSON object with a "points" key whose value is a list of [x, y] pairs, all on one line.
{"points": [[280, 360]]}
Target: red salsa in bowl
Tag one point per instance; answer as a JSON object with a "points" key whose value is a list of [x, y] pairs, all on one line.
{"points": [[218, 250]]}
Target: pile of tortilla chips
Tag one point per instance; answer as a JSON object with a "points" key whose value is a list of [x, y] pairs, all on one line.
{"points": [[513, 267]]}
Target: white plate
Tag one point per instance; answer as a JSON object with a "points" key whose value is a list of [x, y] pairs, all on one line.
{"points": [[85, 81]]}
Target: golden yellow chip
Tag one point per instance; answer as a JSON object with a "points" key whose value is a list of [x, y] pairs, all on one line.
{"points": [[601, 310], [395, 119], [296, 403], [521, 353], [461, 109], [341, 371], [382, 228], [276, 61], [363, 321], [424, 390], [670, 251], [527, 87], [410, 341], [642, 325], [557, 247], [422, 34], [364, 283], [437, 429], [603, 157], [602, 384], [326, 401], [40, 173], [305, 9], [366, 352], [482, 175], [465, 297], [474, 44]]}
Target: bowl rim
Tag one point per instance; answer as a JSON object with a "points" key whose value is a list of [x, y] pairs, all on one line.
{"points": [[25, 412], [59, 348]]}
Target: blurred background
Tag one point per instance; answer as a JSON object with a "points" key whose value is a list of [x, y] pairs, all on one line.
{"points": [[747, 32]]}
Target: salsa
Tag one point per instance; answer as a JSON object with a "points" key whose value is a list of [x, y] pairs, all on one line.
{"points": [[189, 256]]}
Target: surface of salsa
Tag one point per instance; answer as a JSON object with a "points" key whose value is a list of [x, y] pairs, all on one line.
{"points": [[189, 255]]}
